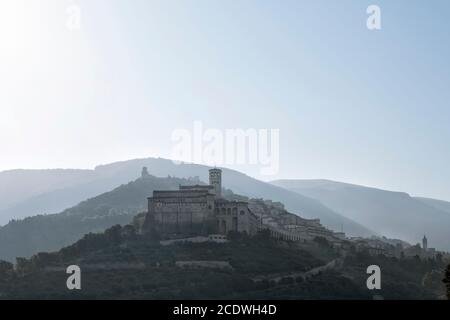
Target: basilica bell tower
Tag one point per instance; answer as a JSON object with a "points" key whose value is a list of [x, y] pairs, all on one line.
{"points": [[215, 179]]}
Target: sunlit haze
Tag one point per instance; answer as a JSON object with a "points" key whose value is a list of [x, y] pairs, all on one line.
{"points": [[351, 105]]}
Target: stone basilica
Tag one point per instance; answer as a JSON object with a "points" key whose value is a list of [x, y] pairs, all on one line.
{"points": [[198, 210]]}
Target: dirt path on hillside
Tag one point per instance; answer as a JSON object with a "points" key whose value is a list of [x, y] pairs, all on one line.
{"points": [[333, 264]]}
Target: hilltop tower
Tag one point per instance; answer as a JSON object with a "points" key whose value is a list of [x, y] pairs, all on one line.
{"points": [[425, 243], [215, 179], [144, 173]]}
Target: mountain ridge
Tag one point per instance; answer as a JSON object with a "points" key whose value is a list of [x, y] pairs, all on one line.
{"points": [[391, 213], [51, 232], [114, 174]]}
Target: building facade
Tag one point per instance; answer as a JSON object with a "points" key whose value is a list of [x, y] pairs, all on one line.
{"points": [[198, 210]]}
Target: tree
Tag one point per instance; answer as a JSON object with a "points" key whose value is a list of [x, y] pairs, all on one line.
{"points": [[447, 281], [439, 258], [6, 268], [322, 242]]}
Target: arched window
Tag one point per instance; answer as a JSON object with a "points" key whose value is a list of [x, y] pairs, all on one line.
{"points": [[235, 224], [224, 226]]}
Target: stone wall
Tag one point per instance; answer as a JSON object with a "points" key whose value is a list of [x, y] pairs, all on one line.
{"points": [[235, 216], [182, 213]]}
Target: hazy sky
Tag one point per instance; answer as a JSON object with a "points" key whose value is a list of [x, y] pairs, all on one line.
{"points": [[367, 107]]}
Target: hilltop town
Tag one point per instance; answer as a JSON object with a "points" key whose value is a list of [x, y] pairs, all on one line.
{"points": [[206, 210], [201, 240]]}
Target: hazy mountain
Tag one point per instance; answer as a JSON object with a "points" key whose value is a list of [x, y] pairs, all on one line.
{"points": [[33, 192], [394, 214], [19, 185], [107, 177], [51, 232], [437, 204], [26, 237]]}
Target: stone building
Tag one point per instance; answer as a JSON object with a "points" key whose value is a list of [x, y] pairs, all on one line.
{"points": [[285, 225], [198, 210], [202, 210], [425, 243]]}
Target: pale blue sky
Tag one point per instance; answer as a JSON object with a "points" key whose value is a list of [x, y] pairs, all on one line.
{"points": [[367, 107]]}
